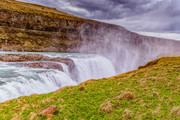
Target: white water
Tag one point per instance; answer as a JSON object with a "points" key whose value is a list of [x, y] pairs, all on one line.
{"points": [[97, 67], [18, 81]]}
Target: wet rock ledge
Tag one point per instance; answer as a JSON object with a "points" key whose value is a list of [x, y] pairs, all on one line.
{"points": [[40, 61]]}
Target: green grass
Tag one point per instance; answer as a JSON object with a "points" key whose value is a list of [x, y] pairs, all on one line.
{"points": [[151, 92]]}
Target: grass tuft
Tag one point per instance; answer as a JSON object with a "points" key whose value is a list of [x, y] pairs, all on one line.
{"points": [[126, 95], [127, 114], [106, 107], [175, 111]]}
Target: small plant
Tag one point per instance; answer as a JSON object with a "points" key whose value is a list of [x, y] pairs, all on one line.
{"points": [[106, 107], [127, 114], [126, 95], [175, 111]]}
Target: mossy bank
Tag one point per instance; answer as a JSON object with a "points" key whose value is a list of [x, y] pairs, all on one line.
{"points": [[151, 92]]}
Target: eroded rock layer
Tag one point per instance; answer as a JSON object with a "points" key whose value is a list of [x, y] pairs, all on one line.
{"points": [[46, 65], [41, 61]]}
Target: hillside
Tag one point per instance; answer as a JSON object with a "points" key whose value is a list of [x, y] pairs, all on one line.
{"points": [[29, 27], [27, 8], [151, 92]]}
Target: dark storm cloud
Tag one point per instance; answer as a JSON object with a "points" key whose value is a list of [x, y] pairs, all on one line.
{"points": [[101, 9], [146, 15], [114, 9]]}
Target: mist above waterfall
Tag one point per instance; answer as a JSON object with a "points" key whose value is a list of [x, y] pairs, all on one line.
{"points": [[126, 50]]}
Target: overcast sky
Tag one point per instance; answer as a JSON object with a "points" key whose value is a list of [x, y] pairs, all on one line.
{"points": [[137, 15]]}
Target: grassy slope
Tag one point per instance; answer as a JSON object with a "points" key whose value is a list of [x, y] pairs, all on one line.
{"points": [[151, 92], [17, 6], [15, 35]]}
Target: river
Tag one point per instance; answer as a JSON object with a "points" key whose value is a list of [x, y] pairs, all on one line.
{"points": [[16, 80]]}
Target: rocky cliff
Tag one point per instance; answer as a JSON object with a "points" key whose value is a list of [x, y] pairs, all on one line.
{"points": [[30, 27]]}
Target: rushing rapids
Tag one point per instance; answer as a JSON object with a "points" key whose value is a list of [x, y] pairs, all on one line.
{"points": [[17, 80]]}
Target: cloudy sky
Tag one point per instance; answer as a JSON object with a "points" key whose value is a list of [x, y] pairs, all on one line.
{"points": [[137, 15]]}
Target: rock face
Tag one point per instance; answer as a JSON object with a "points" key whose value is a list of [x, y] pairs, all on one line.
{"points": [[33, 57], [32, 27], [29, 27]]}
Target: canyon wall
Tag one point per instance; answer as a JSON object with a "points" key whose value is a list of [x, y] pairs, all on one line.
{"points": [[29, 27]]}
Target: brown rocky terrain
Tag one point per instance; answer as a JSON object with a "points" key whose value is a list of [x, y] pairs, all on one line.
{"points": [[33, 57]]}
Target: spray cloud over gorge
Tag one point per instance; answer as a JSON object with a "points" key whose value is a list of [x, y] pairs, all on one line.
{"points": [[126, 50]]}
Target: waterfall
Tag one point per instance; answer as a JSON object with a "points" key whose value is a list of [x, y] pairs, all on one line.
{"points": [[32, 81], [93, 68], [18, 80]]}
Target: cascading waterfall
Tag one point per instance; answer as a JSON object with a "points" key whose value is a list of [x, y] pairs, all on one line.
{"points": [[26, 81], [18, 80], [95, 67]]}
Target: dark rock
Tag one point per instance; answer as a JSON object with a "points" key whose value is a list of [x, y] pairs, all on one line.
{"points": [[81, 88]]}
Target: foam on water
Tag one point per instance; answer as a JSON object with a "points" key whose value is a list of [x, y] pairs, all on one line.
{"points": [[18, 81], [95, 67]]}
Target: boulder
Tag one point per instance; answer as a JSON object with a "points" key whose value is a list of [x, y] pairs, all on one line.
{"points": [[50, 109]]}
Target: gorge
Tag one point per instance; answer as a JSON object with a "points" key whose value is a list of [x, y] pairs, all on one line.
{"points": [[36, 28], [83, 69], [97, 49]]}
